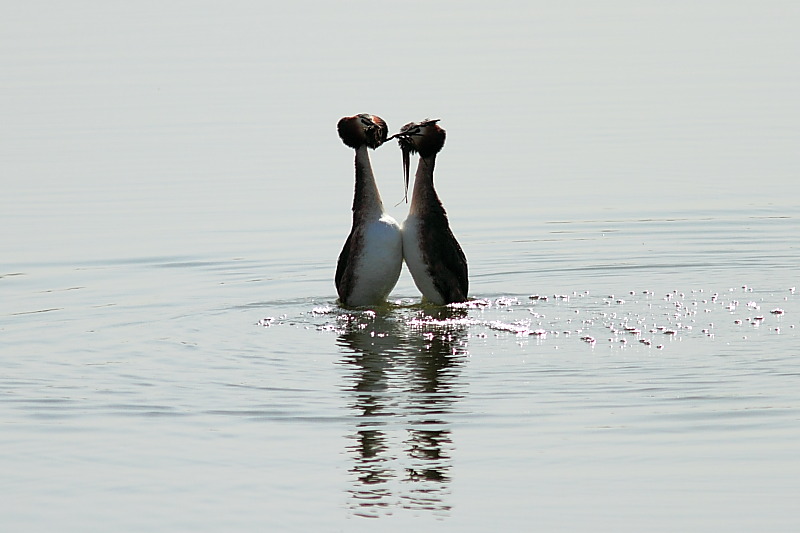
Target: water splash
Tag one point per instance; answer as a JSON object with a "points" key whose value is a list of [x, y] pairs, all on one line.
{"points": [[609, 320]]}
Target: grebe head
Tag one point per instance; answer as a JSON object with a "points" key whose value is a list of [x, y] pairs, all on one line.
{"points": [[425, 138], [363, 129]]}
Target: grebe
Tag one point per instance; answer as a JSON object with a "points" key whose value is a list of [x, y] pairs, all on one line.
{"points": [[370, 262], [431, 251]]}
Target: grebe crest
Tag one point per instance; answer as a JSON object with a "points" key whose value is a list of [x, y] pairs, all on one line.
{"points": [[363, 129], [425, 138]]}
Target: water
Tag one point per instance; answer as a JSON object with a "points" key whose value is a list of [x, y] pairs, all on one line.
{"points": [[622, 179]]}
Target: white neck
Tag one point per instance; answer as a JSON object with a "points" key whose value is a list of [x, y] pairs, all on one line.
{"points": [[367, 199]]}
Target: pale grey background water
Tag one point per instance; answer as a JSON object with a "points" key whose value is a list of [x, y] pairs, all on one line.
{"points": [[171, 177]]}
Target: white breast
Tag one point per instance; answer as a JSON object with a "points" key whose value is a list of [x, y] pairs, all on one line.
{"points": [[379, 262], [414, 257]]}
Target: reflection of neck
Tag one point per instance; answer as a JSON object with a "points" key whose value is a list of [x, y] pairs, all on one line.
{"points": [[381, 370], [424, 194], [367, 199]]}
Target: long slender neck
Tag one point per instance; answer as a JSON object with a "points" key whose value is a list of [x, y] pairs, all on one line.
{"points": [[367, 199], [424, 196]]}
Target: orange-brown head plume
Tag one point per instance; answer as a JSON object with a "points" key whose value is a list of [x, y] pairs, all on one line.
{"points": [[425, 138], [363, 129]]}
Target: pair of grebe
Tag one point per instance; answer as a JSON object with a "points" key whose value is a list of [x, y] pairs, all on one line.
{"points": [[370, 262]]}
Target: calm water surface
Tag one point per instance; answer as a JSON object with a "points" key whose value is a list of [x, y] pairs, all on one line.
{"points": [[623, 181]]}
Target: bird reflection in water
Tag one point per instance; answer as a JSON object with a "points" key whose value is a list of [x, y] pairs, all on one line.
{"points": [[404, 382]]}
